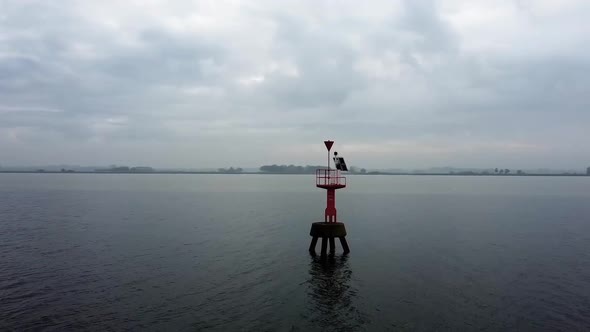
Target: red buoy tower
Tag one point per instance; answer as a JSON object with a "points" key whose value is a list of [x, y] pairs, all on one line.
{"points": [[330, 180]]}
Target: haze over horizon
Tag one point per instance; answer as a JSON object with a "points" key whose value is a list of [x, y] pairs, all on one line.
{"points": [[397, 84]]}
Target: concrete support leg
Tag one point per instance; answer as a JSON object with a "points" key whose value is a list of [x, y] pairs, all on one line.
{"points": [[344, 244], [314, 241], [324, 245], [332, 245]]}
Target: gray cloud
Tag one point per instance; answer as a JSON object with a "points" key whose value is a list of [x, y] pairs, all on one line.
{"points": [[397, 84]]}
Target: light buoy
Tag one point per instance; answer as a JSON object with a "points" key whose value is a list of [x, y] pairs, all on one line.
{"points": [[330, 180]]}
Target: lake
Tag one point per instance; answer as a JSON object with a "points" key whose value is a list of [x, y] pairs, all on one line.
{"points": [[229, 252]]}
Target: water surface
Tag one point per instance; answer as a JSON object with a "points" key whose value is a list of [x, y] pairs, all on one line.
{"points": [[229, 252]]}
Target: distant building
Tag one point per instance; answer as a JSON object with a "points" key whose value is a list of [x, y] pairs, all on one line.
{"points": [[588, 171]]}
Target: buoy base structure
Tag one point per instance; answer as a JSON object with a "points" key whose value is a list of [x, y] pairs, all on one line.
{"points": [[328, 231]]}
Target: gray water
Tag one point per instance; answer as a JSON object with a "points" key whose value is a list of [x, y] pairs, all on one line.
{"points": [[229, 252]]}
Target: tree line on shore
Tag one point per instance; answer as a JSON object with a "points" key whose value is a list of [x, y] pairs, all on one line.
{"points": [[293, 169]]}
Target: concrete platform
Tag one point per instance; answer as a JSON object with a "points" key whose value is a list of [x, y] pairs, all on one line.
{"points": [[327, 229]]}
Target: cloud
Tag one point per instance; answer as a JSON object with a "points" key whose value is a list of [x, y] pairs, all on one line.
{"points": [[207, 84]]}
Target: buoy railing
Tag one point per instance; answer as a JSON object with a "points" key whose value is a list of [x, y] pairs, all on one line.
{"points": [[329, 177]]}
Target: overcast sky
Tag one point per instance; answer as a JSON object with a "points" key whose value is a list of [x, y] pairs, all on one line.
{"points": [[397, 84]]}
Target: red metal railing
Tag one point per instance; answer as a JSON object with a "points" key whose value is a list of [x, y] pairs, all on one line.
{"points": [[329, 177]]}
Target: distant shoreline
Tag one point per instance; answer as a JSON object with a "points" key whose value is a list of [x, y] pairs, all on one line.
{"points": [[269, 173]]}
